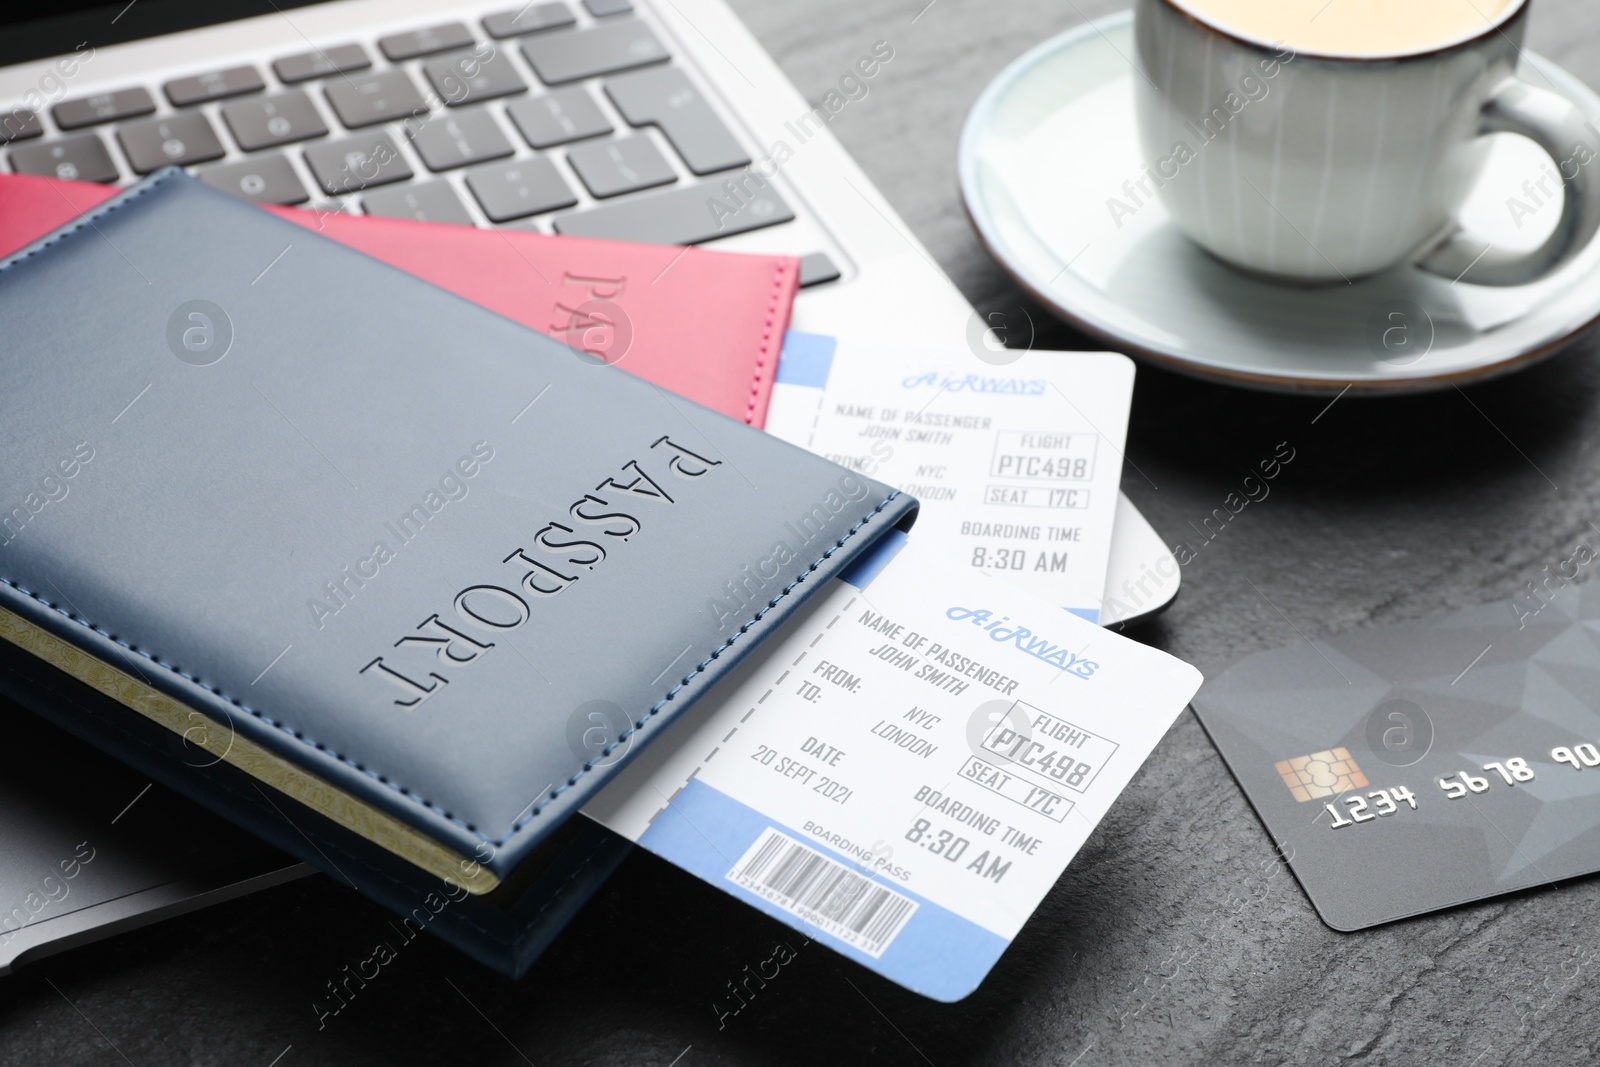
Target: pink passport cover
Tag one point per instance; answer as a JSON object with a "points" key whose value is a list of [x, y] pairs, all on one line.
{"points": [[706, 325]]}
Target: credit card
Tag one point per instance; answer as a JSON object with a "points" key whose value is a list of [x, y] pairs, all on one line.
{"points": [[1017, 465], [907, 770], [1410, 768]]}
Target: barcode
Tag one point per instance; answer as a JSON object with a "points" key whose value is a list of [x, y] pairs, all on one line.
{"points": [[823, 892]]}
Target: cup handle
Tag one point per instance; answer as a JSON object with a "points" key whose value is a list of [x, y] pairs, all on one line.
{"points": [[1558, 126]]}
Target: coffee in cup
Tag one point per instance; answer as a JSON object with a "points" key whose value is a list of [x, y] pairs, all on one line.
{"points": [[1354, 27]]}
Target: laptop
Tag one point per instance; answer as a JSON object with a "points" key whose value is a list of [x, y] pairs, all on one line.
{"points": [[645, 120]]}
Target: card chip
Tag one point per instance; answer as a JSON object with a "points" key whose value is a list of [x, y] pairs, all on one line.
{"points": [[1321, 774]]}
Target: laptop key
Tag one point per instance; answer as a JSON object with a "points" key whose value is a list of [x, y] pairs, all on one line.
{"points": [[19, 124], [213, 85], [559, 117], [604, 49], [623, 165], [173, 140], [460, 138], [273, 120], [604, 8], [102, 107], [519, 188], [341, 59], [433, 201], [398, 46], [816, 268], [357, 163], [82, 158], [373, 98], [530, 18], [685, 216], [469, 77], [664, 97], [265, 179]]}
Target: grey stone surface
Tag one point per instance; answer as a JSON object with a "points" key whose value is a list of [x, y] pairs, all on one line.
{"points": [[1174, 938]]}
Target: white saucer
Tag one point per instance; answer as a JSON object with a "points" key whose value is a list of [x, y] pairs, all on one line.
{"points": [[1053, 138]]}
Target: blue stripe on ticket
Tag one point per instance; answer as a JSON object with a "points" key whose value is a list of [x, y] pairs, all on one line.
{"points": [[812, 886], [805, 359]]}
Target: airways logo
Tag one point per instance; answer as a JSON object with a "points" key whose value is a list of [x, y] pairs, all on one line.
{"points": [[1027, 641]]}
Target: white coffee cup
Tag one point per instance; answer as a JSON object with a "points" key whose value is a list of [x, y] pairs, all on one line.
{"points": [[1316, 168]]}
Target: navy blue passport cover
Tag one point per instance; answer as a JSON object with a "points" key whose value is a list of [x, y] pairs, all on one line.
{"points": [[280, 521]]}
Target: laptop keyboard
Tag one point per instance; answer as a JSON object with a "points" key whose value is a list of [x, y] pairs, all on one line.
{"points": [[505, 117]]}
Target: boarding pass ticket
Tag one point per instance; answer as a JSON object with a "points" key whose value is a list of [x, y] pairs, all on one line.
{"points": [[1017, 463], [907, 769]]}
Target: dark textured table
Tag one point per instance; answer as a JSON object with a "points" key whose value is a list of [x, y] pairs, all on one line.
{"points": [[1173, 938]]}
